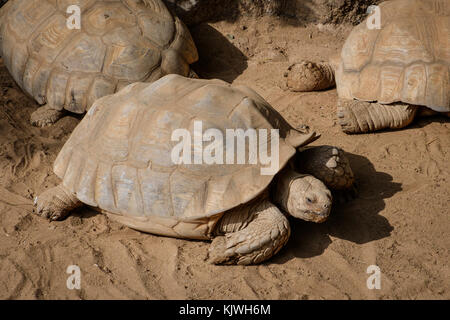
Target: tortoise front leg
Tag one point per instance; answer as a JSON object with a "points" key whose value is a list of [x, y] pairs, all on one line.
{"points": [[56, 203], [45, 116], [360, 117], [330, 165], [251, 234]]}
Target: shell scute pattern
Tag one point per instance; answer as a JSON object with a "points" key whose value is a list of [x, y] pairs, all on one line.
{"points": [[121, 151], [120, 42], [406, 60]]}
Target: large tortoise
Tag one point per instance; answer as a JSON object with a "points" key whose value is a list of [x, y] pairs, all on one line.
{"points": [[119, 160], [120, 42], [385, 77]]}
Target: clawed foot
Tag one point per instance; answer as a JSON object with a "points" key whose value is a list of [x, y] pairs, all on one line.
{"points": [[45, 207], [266, 230], [217, 253], [55, 203], [233, 248], [328, 164], [347, 120], [243, 249], [360, 116], [45, 116]]}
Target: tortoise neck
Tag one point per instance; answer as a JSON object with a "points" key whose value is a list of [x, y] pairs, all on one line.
{"points": [[281, 189]]}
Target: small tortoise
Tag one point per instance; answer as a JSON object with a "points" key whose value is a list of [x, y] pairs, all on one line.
{"points": [[120, 42], [385, 77], [119, 160]]}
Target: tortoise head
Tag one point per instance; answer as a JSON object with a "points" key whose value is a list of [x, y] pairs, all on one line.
{"points": [[303, 196]]}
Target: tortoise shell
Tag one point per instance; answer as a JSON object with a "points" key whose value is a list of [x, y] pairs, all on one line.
{"points": [[119, 157], [406, 60], [119, 42]]}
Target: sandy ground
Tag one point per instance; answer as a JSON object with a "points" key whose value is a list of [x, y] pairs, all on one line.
{"points": [[399, 222]]}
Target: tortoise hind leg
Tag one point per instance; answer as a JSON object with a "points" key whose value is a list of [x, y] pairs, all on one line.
{"points": [[309, 76], [360, 117], [56, 203], [45, 116], [250, 235]]}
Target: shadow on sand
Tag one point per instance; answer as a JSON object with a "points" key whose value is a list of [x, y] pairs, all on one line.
{"points": [[219, 58], [198, 11], [425, 121], [358, 221]]}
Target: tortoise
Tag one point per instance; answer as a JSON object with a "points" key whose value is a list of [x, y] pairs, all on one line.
{"points": [[386, 77], [119, 42], [119, 160]]}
